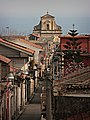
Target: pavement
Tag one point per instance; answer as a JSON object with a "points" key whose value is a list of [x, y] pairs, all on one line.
{"points": [[33, 109]]}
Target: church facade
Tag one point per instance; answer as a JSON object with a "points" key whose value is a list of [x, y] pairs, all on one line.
{"points": [[47, 27]]}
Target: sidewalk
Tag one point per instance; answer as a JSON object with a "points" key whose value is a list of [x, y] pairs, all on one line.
{"points": [[33, 109]]}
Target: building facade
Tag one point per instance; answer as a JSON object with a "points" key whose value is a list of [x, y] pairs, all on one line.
{"points": [[47, 27], [85, 46]]}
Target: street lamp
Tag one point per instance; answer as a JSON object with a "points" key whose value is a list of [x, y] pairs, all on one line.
{"points": [[10, 78], [27, 85], [35, 76], [7, 31]]}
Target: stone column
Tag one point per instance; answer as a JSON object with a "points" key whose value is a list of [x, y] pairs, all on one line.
{"points": [[48, 98]]}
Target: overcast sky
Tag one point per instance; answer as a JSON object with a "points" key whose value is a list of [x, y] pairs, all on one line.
{"points": [[23, 15]]}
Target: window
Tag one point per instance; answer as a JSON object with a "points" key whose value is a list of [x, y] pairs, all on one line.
{"points": [[47, 26]]}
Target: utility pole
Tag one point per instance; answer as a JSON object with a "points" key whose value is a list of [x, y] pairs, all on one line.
{"points": [[7, 31]]}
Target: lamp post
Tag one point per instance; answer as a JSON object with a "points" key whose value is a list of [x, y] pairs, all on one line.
{"points": [[10, 79], [35, 76], [27, 86], [26, 74]]}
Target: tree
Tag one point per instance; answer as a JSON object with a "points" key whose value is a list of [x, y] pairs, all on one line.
{"points": [[72, 54], [73, 47]]}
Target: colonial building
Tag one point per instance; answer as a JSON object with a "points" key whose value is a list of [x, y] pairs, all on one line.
{"points": [[85, 45], [47, 27]]}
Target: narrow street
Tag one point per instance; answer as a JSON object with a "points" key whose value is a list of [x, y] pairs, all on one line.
{"points": [[33, 109]]}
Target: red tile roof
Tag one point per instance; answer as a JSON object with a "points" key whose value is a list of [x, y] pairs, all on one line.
{"points": [[35, 35], [30, 43], [17, 46], [4, 59], [22, 39], [78, 36]]}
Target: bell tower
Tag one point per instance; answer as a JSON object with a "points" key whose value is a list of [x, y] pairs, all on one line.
{"points": [[47, 27]]}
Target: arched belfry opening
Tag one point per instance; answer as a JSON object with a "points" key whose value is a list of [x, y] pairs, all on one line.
{"points": [[47, 26]]}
